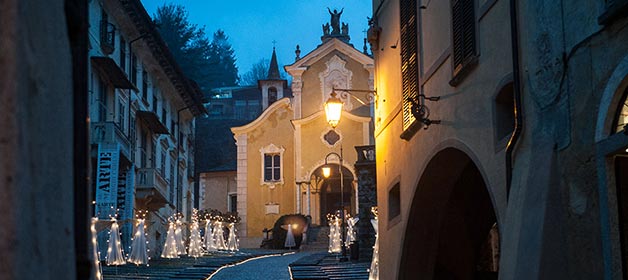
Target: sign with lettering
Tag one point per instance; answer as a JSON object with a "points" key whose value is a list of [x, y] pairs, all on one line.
{"points": [[107, 180]]}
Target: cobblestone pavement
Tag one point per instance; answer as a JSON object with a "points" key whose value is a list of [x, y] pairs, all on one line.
{"points": [[185, 267], [270, 267]]}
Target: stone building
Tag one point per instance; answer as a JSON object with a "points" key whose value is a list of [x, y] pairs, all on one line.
{"points": [[142, 111], [501, 139], [280, 154]]}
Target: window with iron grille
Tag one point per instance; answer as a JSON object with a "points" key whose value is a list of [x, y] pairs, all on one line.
{"points": [[107, 34], [464, 42], [272, 167], [409, 58]]}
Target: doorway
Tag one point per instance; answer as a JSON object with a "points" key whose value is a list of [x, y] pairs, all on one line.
{"points": [[451, 231]]}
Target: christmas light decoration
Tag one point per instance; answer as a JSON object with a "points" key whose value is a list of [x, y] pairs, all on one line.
{"points": [[139, 252], [114, 250], [219, 236], [335, 241], [374, 271], [95, 255], [196, 245], [170, 247], [179, 235], [351, 222], [210, 245], [233, 242], [289, 238]]}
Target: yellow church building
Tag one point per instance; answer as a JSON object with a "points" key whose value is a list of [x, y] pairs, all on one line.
{"points": [[281, 153]]}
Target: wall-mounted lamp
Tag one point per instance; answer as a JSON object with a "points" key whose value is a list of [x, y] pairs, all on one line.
{"points": [[333, 105], [420, 111]]}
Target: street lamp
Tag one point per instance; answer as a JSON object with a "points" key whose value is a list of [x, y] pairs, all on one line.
{"points": [[333, 109], [326, 173]]}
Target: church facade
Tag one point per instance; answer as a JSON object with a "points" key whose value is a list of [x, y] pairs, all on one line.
{"points": [[280, 154]]}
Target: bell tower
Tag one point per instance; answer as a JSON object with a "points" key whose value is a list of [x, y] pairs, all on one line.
{"points": [[273, 86]]}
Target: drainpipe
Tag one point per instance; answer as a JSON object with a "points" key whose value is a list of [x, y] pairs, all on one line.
{"points": [[516, 133], [178, 147]]}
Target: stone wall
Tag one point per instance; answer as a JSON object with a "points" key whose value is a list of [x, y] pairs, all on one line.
{"points": [[36, 175]]}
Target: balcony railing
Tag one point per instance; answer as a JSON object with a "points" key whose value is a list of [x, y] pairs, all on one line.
{"points": [[110, 132], [152, 188]]}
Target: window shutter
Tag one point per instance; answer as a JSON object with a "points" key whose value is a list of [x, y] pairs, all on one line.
{"points": [[463, 25], [409, 60]]}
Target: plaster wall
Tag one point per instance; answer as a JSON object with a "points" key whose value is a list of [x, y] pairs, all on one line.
{"points": [[466, 113], [312, 98], [276, 129], [36, 177], [217, 186], [570, 63]]}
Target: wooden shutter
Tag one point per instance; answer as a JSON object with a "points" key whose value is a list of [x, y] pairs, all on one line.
{"points": [[409, 60], [463, 25]]}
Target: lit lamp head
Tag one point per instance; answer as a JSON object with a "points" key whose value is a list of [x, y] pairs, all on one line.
{"points": [[326, 171], [333, 109]]}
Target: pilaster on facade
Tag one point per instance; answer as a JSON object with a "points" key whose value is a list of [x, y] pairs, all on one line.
{"points": [[241, 181]]}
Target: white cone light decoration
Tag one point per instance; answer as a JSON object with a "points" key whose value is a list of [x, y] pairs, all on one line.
{"points": [[170, 247], [290, 238], [195, 249], [335, 241], [114, 250], [233, 242], [210, 245], [374, 271], [351, 222], [179, 237], [219, 236], [139, 252], [95, 256]]}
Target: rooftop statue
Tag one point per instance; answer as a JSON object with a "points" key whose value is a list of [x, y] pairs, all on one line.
{"points": [[335, 20]]}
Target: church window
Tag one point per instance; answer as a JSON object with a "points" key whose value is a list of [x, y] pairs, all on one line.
{"points": [[272, 167]]}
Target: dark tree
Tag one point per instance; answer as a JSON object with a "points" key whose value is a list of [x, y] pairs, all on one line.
{"points": [[224, 71], [259, 71], [188, 43]]}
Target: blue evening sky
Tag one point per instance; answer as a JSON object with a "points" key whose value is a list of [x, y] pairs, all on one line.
{"points": [[253, 25]]}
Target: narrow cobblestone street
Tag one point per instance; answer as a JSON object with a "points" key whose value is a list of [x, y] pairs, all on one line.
{"points": [[265, 267]]}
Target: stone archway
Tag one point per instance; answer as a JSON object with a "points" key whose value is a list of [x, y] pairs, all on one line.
{"points": [[330, 193], [451, 231]]}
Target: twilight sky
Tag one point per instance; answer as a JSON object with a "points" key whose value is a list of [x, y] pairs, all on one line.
{"points": [[253, 25]]}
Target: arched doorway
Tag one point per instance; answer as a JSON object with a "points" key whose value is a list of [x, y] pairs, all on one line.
{"points": [[326, 192], [451, 231]]}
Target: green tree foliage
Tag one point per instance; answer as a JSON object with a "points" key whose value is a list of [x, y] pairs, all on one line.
{"points": [[225, 71], [210, 64]]}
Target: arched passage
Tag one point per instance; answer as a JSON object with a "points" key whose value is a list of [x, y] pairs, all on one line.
{"points": [[451, 231], [325, 193]]}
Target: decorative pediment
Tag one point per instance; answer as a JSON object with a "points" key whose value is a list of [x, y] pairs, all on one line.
{"points": [[272, 149], [335, 76]]}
